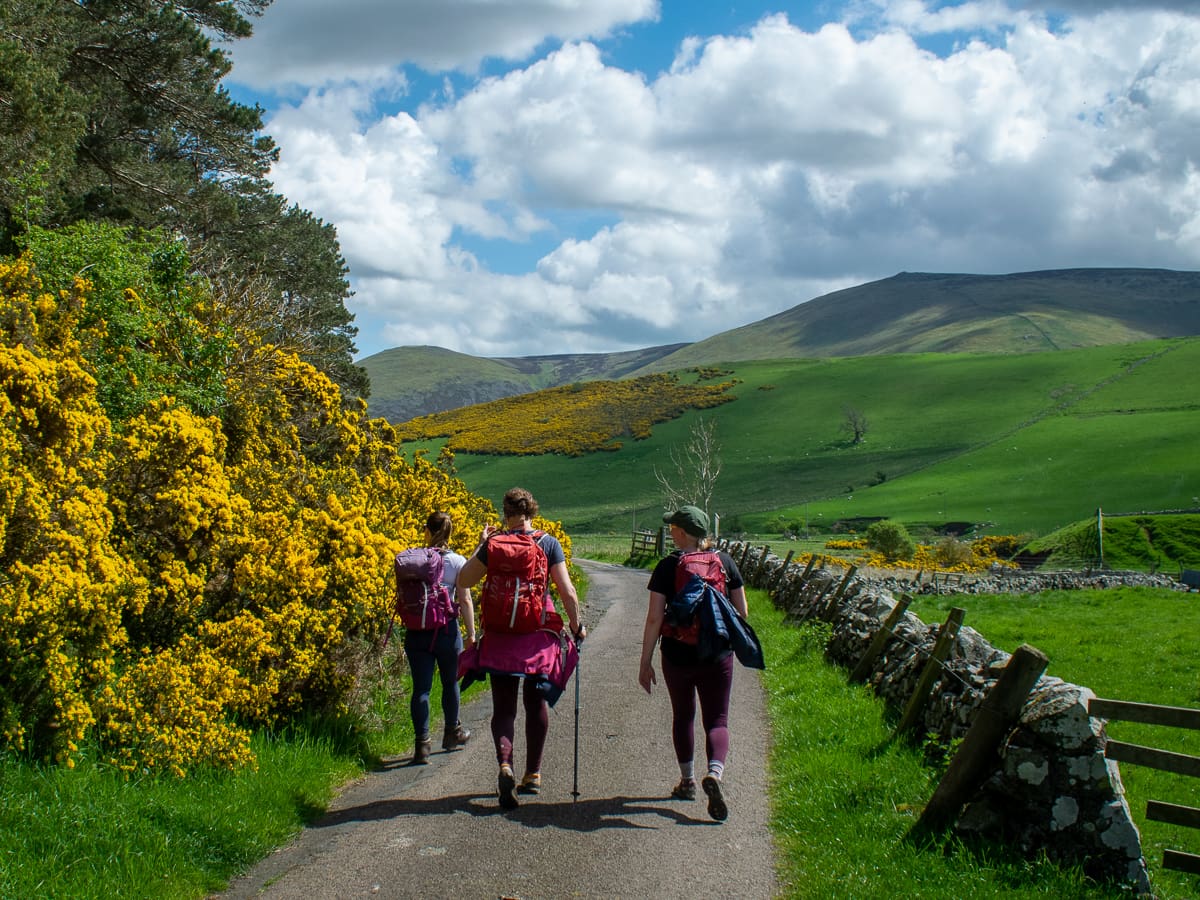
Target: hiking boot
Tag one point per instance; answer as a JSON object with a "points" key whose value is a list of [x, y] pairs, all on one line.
{"points": [[716, 800], [506, 786], [455, 738], [685, 790], [530, 784], [422, 750]]}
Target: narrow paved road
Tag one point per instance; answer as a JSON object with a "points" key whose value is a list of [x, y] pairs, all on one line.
{"points": [[437, 831]]}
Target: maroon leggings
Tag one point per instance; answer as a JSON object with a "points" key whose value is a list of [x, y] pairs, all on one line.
{"points": [[504, 720], [712, 683]]}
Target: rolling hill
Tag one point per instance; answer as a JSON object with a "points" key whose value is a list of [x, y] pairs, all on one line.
{"points": [[907, 313], [407, 382], [1003, 443]]}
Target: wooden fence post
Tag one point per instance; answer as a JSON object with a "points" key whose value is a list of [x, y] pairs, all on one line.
{"points": [[810, 595], [880, 639], [782, 571], [941, 648], [762, 561], [969, 768], [830, 611], [812, 561]]}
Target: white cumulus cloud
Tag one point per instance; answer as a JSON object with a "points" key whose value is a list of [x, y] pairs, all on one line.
{"points": [[569, 204]]}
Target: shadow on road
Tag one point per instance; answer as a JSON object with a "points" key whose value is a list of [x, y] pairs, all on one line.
{"points": [[577, 815]]}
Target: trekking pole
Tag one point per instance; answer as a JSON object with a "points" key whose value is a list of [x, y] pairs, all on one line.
{"points": [[575, 789]]}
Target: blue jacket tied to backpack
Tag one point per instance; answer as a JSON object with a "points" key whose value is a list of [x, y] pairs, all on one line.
{"points": [[721, 625]]}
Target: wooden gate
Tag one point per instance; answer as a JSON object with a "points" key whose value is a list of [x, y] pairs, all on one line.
{"points": [[1164, 760]]}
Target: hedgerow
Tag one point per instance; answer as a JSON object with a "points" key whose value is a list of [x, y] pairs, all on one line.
{"points": [[182, 565]]}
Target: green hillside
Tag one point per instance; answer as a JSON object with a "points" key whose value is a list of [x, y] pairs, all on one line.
{"points": [[917, 312], [1162, 542], [908, 313], [1011, 443]]}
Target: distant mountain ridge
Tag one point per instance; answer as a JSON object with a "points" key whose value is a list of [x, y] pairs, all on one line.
{"points": [[911, 312]]}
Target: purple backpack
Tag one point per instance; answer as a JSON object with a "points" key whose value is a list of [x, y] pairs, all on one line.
{"points": [[422, 602]]}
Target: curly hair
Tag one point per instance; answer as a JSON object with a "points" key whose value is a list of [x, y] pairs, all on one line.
{"points": [[519, 502]]}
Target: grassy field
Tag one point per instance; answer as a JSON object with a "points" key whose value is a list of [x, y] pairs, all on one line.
{"points": [[1016, 444], [845, 794], [1133, 644]]}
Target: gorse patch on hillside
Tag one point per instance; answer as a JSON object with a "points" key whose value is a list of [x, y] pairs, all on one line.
{"points": [[572, 420]]}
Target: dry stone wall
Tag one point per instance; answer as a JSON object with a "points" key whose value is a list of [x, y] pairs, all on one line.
{"points": [[1052, 791]]}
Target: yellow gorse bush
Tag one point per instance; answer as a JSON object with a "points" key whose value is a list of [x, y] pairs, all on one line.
{"points": [[840, 544], [63, 587], [571, 420], [978, 555], [169, 581]]}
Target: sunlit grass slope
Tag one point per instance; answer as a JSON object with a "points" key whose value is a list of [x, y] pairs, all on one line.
{"points": [[1024, 443]]}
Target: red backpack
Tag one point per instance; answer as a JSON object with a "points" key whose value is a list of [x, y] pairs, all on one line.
{"points": [[680, 622], [514, 599], [422, 601]]}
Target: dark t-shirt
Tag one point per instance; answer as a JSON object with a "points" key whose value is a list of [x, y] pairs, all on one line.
{"points": [[662, 581]]}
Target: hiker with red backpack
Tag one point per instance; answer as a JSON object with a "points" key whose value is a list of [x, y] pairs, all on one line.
{"points": [[431, 608], [524, 638], [697, 612]]}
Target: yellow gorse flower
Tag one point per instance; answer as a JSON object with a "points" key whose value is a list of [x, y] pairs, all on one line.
{"points": [[174, 579]]}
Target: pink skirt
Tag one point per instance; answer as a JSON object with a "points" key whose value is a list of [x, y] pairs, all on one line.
{"points": [[547, 654]]}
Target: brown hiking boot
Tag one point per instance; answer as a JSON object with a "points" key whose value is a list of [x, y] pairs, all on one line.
{"points": [[531, 783], [455, 738], [685, 790], [506, 787], [422, 750], [716, 799]]}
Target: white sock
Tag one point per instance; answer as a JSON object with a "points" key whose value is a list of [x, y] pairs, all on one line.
{"points": [[716, 769], [687, 770]]}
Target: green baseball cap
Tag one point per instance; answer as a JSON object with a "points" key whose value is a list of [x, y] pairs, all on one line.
{"points": [[691, 519]]}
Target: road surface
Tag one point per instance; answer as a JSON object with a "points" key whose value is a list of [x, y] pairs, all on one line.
{"points": [[437, 831]]}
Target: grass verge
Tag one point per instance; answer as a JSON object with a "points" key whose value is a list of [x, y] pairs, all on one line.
{"points": [[88, 833], [1136, 644], [845, 794]]}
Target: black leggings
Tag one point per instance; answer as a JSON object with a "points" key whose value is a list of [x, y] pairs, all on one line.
{"points": [[504, 720]]}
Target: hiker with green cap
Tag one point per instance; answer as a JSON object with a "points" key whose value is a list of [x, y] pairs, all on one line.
{"points": [[695, 667]]}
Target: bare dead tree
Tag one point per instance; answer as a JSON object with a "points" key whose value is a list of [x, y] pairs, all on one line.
{"points": [[695, 466], [855, 424]]}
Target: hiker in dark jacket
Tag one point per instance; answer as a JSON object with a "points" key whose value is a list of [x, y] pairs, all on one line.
{"points": [[690, 673]]}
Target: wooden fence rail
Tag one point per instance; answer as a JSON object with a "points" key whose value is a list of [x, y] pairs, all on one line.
{"points": [[1163, 760], [646, 543]]}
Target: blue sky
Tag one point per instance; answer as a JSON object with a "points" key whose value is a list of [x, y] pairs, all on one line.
{"points": [[572, 176]]}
